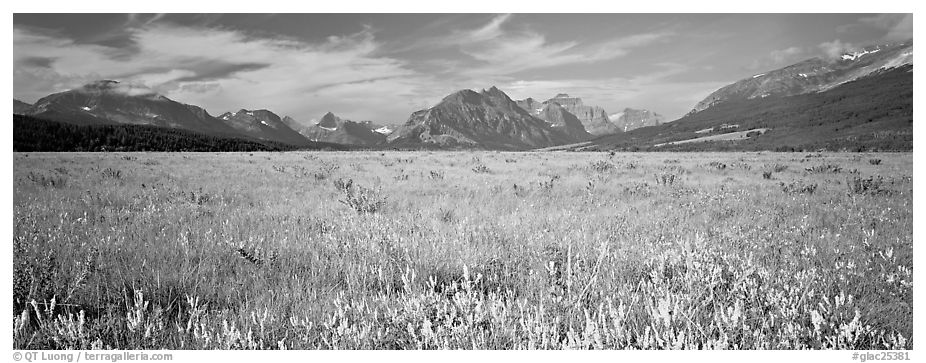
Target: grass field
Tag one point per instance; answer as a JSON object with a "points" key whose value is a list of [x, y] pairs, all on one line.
{"points": [[341, 250]]}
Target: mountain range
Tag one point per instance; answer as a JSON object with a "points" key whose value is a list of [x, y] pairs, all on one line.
{"points": [[862, 100], [791, 107], [111, 102]]}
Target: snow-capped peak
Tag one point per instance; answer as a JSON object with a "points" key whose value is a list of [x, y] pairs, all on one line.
{"points": [[857, 55], [385, 130]]}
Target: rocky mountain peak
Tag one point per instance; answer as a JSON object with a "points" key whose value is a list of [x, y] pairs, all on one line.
{"points": [[631, 118], [494, 92], [487, 119], [329, 120], [463, 96], [594, 118]]}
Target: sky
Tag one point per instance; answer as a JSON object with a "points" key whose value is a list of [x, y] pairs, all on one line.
{"points": [[383, 67]]}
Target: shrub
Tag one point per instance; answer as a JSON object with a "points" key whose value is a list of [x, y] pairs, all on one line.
{"points": [[112, 173], [828, 168], [766, 175], [602, 166], [325, 171], [480, 169], [56, 181], [798, 188], [639, 190], [717, 165], [446, 215], [360, 199], [870, 185], [874, 161], [549, 183], [667, 178]]}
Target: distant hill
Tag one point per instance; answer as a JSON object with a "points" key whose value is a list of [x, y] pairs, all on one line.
{"points": [[482, 120], [20, 107], [874, 112], [34, 134]]}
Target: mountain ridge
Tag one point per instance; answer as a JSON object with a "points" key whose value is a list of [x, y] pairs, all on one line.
{"points": [[331, 128], [812, 75], [262, 124]]}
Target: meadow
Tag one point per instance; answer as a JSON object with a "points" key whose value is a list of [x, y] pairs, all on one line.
{"points": [[462, 250]]}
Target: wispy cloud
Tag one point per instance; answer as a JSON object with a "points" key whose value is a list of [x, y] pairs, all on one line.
{"points": [[498, 48], [135, 19]]}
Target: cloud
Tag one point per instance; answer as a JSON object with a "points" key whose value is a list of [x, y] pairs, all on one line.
{"points": [[497, 48], [134, 88], [785, 55], [836, 48], [134, 19], [224, 69], [897, 26], [778, 58]]}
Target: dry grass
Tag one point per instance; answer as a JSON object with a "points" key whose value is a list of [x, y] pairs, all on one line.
{"points": [[444, 250]]}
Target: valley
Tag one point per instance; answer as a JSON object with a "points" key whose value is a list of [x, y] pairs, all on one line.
{"points": [[462, 250]]}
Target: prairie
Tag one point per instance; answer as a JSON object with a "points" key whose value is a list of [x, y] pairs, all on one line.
{"points": [[462, 250]]}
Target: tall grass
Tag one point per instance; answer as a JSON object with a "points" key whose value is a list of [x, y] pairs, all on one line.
{"points": [[235, 251]]}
